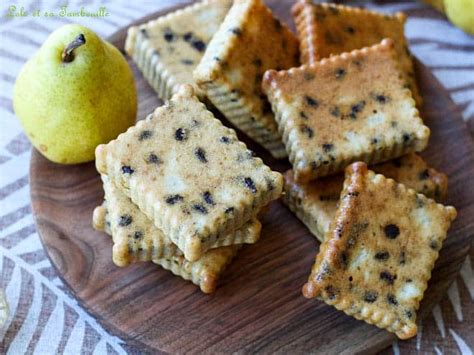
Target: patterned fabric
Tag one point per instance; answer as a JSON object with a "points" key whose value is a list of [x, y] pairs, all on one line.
{"points": [[45, 318]]}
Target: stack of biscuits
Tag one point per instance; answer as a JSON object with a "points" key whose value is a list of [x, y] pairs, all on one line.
{"points": [[183, 192]]}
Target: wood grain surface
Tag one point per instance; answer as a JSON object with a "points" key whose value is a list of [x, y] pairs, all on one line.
{"points": [[258, 306]]}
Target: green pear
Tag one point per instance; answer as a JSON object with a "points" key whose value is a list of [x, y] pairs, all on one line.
{"points": [[75, 93], [461, 13]]}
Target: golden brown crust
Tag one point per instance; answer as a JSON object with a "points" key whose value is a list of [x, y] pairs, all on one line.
{"points": [[328, 29], [377, 258], [328, 119]]}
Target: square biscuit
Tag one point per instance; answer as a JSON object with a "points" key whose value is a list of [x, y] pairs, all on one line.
{"points": [[189, 174], [315, 203], [249, 42], [377, 257], [169, 48], [137, 239], [204, 272], [328, 29], [347, 108]]}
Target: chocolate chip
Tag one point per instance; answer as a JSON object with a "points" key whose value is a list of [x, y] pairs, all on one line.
{"points": [[402, 258], [303, 115], [207, 196], [199, 45], [320, 16], [406, 138], [392, 299], [327, 147], [350, 29], [257, 62], [340, 73], [387, 277], [308, 76], [153, 159], [434, 245], [266, 107], [200, 154], [137, 235], [144, 33], [391, 231], [355, 109], [381, 99], [270, 185], [330, 292], [187, 36], [307, 131], [125, 220], [310, 101], [127, 170], [344, 258], [397, 162], [335, 112], [331, 38], [236, 31], [424, 175], [200, 208], [145, 135], [224, 139], [229, 210], [382, 255], [370, 296], [181, 134], [374, 141], [172, 199], [277, 24], [419, 201], [168, 36], [409, 314], [248, 182], [187, 62]]}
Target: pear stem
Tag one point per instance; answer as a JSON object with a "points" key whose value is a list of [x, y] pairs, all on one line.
{"points": [[68, 55]]}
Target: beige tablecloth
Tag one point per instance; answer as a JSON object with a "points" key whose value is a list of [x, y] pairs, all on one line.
{"points": [[44, 317]]}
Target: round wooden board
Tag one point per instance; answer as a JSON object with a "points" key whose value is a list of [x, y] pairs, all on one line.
{"points": [[258, 306]]}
